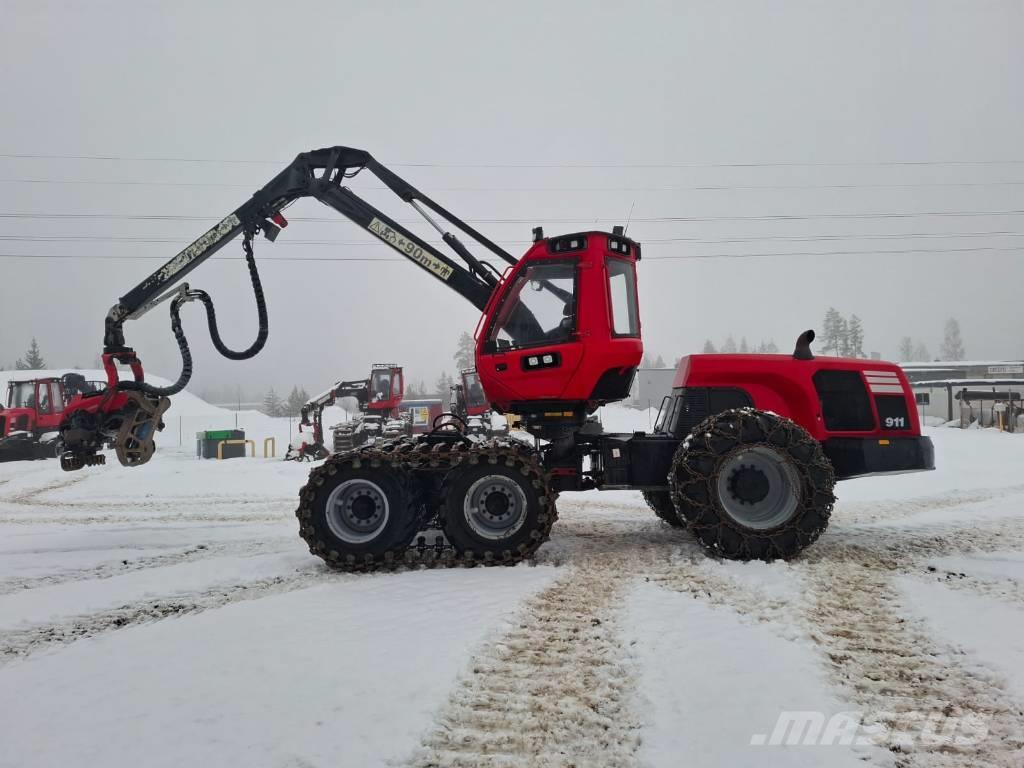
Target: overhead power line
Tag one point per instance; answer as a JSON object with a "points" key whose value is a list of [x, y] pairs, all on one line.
{"points": [[540, 220], [528, 164], [676, 257], [154, 239], [535, 190]]}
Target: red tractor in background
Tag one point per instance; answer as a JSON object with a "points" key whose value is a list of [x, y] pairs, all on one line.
{"points": [[377, 397], [30, 420], [469, 404], [746, 455]]}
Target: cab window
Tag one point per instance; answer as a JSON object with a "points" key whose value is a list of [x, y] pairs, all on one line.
{"points": [[44, 397], [22, 395], [56, 399], [380, 386], [475, 396], [539, 308], [622, 292]]}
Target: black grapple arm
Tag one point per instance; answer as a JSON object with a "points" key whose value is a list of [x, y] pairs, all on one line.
{"points": [[319, 174], [127, 413]]}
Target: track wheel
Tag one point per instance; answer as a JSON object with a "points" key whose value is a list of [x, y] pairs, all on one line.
{"points": [[752, 485], [661, 504], [496, 513], [357, 516]]}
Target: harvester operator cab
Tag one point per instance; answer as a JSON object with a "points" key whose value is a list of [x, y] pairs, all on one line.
{"points": [[386, 387], [561, 333]]}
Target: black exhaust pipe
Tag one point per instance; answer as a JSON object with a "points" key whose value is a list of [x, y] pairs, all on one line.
{"points": [[803, 346]]}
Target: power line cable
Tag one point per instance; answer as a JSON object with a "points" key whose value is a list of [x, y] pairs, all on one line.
{"points": [[534, 221], [534, 190], [677, 257], [529, 164], [154, 239]]}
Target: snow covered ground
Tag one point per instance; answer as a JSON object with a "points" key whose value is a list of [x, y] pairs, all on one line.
{"points": [[170, 615]]}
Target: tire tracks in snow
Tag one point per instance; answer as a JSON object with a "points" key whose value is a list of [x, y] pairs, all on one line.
{"points": [[889, 666], [30, 496], [287, 512], [528, 698], [879, 511], [120, 567], [895, 672], [556, 690], [25, 642]]}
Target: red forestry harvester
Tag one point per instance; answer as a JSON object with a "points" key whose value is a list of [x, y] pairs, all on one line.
{"points": [[378, 398], [30, 421], [746, 454], [469, 405]]}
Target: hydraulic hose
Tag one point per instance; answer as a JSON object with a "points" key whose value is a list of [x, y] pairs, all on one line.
{"points": [[211, 318]]}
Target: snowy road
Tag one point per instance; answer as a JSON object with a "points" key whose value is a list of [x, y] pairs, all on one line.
{"points": [[170, 616]]}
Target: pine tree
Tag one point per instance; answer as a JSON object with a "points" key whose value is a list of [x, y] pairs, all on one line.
{"points": [[659, 362], [855, 337], [744, 347], [920, 353], [293, 405], [844, 337], [906, 349], [952, 345], [771, 347], [443, 385], [831, 332], [729, 347], [33, 359], [272, 405], [465, 353], [709, 347]]}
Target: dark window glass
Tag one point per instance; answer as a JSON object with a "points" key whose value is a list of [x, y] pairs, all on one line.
{"points": [[539, 308]]}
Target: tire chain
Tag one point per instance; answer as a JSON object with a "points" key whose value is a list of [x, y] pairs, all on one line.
{"points": [[413, 455], [692, 476]]}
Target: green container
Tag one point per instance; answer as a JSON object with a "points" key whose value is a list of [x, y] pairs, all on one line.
{"points": [[224, 434], [207, 442]]}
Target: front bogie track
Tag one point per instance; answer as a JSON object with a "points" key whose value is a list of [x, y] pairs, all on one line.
{"points": [[384, 505]]}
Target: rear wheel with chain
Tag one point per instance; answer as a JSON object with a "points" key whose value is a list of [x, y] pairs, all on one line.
{"points": [[752, 485]]}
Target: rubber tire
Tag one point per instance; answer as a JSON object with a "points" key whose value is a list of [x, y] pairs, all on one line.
{"points": [[395, 536], [693, 480], [478, 550], [661, 504]]}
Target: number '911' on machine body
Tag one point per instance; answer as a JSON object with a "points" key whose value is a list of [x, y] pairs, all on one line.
{"points": [[746, 452]]}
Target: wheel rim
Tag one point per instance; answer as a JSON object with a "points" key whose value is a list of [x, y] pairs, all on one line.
{"points": [[357, 511], [758, 488], [495, 507]]}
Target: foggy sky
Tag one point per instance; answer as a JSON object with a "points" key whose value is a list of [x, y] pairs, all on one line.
{"points": [[727, 98]]}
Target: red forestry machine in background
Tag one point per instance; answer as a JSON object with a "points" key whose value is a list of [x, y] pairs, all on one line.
{"points": [[30, 420], [746, 452], [378, 398], [468, 404]]}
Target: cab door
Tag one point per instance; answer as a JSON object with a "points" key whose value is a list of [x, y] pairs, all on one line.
{"points": [[532, 346]]}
